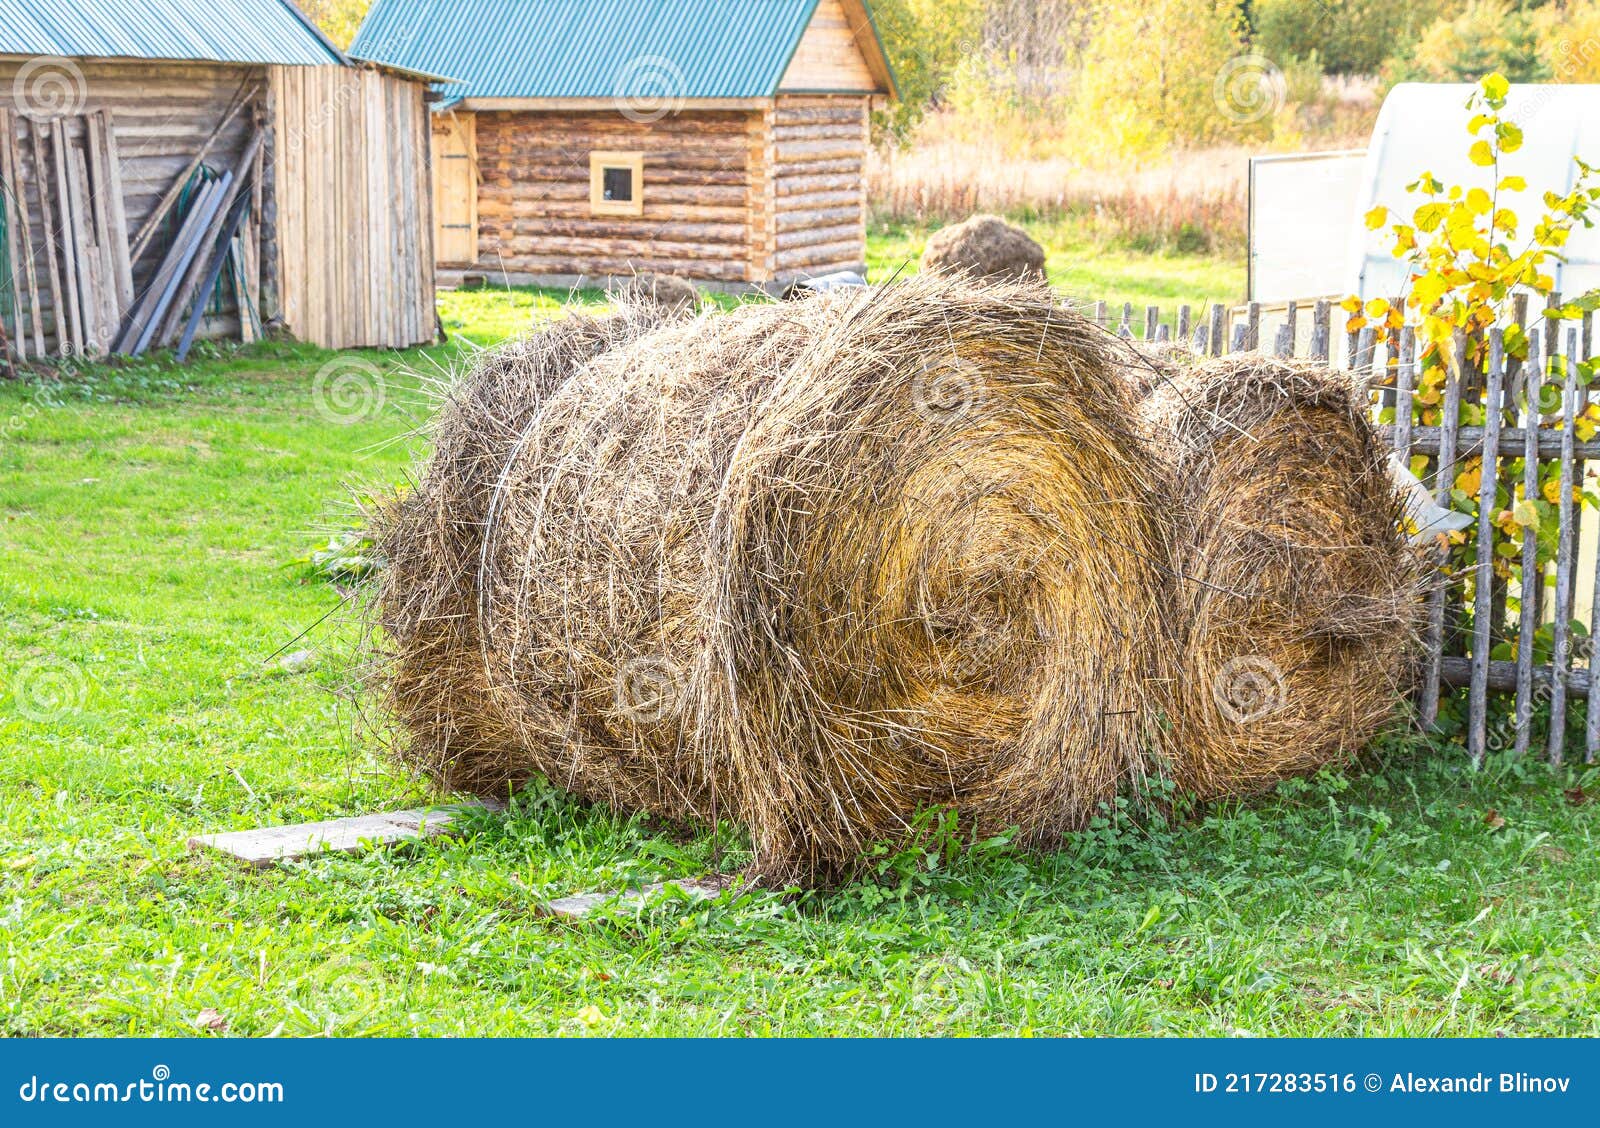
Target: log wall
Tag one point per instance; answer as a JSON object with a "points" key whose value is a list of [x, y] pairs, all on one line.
{"points": [[533, 195], [161, 113], [818, 152], [762, 196], [354, 207]]}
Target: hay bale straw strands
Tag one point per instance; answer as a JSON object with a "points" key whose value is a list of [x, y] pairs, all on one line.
{"points": [[812, 566], [1298, 593]]}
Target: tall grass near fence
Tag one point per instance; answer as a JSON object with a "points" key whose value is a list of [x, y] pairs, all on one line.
{"points": [[1194, 204]]}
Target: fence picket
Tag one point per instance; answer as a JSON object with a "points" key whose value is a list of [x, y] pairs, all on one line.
{"points": [[1560, 628], [1366, 345], [1531, 591], [1483, 579], [1183, 322], [1402, 393], [1252, 338], [1152, 315], [1444, 479], [1321, 330], [1218, 319]]}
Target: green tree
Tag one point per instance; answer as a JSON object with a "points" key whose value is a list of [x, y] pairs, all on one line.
{"points": [[1486, 37], [1350, 36], [338, 19], [925, 41], [1163, 72]]}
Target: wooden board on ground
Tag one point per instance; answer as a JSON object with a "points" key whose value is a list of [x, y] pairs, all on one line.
{"points": [[581, 905], [266, 845]]}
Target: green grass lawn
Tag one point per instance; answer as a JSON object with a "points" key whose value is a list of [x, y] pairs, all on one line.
{"points": [[149, 513], [1084, 269]]}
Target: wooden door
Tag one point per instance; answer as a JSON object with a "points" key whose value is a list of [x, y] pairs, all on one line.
{"points": [[455, 189]]}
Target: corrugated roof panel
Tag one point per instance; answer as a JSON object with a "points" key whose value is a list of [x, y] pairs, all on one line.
{"points": [[224, 31], [643, 49]]}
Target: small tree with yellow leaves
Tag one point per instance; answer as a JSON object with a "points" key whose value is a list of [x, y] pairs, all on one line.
{"points": [[1467, 262]]}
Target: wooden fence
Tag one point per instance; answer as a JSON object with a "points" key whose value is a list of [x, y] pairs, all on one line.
{"points": [[1531, 410]]}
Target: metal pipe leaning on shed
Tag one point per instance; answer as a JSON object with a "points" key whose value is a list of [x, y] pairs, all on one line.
{"points": [[811, 566]]}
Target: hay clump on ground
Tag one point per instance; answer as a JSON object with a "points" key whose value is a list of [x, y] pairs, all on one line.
{"points": [[1298, 593], [812, 566], [984, 247], [673, 294]]}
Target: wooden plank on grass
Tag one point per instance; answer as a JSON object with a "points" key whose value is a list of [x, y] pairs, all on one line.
{"points": [[581, 905], [266, 845]]}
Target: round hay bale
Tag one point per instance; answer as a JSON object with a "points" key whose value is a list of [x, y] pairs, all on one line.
{"points": [[984, 247], [673, 294], [812, 566], [430, 671], [1298, 593]]}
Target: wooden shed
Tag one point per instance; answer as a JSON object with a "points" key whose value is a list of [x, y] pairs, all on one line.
{"points": [[723, 140], [211, 168]]}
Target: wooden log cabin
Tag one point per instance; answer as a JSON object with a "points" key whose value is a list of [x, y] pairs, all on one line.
{"points": [[589, 140], [114, 117]]}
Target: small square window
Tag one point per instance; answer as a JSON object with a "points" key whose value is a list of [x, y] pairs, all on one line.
{"points": [[616, 183]]}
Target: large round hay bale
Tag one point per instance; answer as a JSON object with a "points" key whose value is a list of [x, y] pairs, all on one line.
{"points": [[1297, 591], [984, 247], [811, 566]]}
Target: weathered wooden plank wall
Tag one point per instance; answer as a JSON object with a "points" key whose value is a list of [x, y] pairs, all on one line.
{"points": [[353, 201], [161, 115]]}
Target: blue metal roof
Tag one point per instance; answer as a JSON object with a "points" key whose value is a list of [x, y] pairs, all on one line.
{"points": [[652, 49], [225, 31]]}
